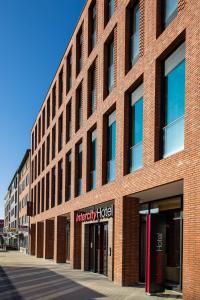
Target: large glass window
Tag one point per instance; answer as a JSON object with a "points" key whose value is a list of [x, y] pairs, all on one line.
{"points": [[60, 132], [60, 87], [68, 176], [92, 26], [79, 170], [48, 112], [109, 10], [47, 191], [53, 187], [68, 122], [79, 115], [111, 144], [170, 11], [60, 181], [174, 102], [93, 160], [48, 150], [43, 121], [69, 71], [134, 32], [110, 66], [54, 101], [79, 50], [53, 141], [136, 129], [92, 90]]}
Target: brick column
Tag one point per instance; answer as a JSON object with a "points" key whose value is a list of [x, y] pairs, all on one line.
{"points": [[40, 239], [126, 241], [32, 239], [75, 243], [130, 241], [49, 239]]}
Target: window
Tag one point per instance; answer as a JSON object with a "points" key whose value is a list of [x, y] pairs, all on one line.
{"points": [[43, 121], [109, 10], [60, 181], [53, 142], [54, 101], [109, 66], [136, 129], [35, 166], [48, 112], [38, 198], [79, 114], [173, 101], [79, 169], [92, 90], [43, 156], [53, 186], [60, 88], [39, 158], [36, 137], [48, 150], [69, 71], [133, 37], [92, 159], [92, 27], [39, 130], [111, 147], [68, 176], [35, 191], [60, 133], [170, 11], [42, 195], [47, 191], [79, 51], [68, 122], [33, 143], [32, 173]]}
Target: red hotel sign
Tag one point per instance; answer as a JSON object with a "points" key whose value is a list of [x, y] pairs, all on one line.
{"points": [[95, 214]]}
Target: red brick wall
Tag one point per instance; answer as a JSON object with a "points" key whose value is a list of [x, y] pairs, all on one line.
{"points": [[181, 166]]}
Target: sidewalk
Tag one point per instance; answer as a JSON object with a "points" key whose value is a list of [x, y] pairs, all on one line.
{"points": [[27, 277]]}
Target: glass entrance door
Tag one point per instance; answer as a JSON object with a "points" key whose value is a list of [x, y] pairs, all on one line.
{"points": [[172, 213], [98, 248], [173, 249]]}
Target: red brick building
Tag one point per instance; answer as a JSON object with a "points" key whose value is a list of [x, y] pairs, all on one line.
{"points": [[115, 155]]}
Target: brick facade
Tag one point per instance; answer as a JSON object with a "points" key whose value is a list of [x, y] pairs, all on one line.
{"points": [[156, 173]]}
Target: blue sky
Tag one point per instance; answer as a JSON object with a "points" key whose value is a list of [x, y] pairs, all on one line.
{"points": [[33, 37]]}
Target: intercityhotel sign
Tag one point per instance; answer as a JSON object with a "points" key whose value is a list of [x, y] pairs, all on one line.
{"points": [[96, 214]]}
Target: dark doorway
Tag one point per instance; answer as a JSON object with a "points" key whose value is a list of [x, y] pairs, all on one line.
{"points": [[171, 210], [98, 248]]}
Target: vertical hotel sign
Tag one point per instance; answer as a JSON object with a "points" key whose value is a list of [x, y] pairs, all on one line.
{"points": [[156, 253]]}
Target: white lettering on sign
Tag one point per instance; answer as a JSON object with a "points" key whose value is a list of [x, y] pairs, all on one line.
{"points": [[94, 215], [159, 244]]}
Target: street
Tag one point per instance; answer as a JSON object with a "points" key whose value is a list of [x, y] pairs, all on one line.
{"points": [[27, 277]]}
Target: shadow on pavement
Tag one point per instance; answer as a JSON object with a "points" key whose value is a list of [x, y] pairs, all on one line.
{"points": [[7, 289], [17, 283]]}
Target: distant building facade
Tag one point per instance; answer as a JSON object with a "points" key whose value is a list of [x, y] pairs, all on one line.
{"points": [[24, 196], [1, 226], [11, 213]]}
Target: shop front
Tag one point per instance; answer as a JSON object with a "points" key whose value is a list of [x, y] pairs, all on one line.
{"points": [[97, 238]]}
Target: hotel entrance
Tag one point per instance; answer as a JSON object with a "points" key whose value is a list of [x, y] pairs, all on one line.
{"points": [[161, 218], [98, 248]]}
